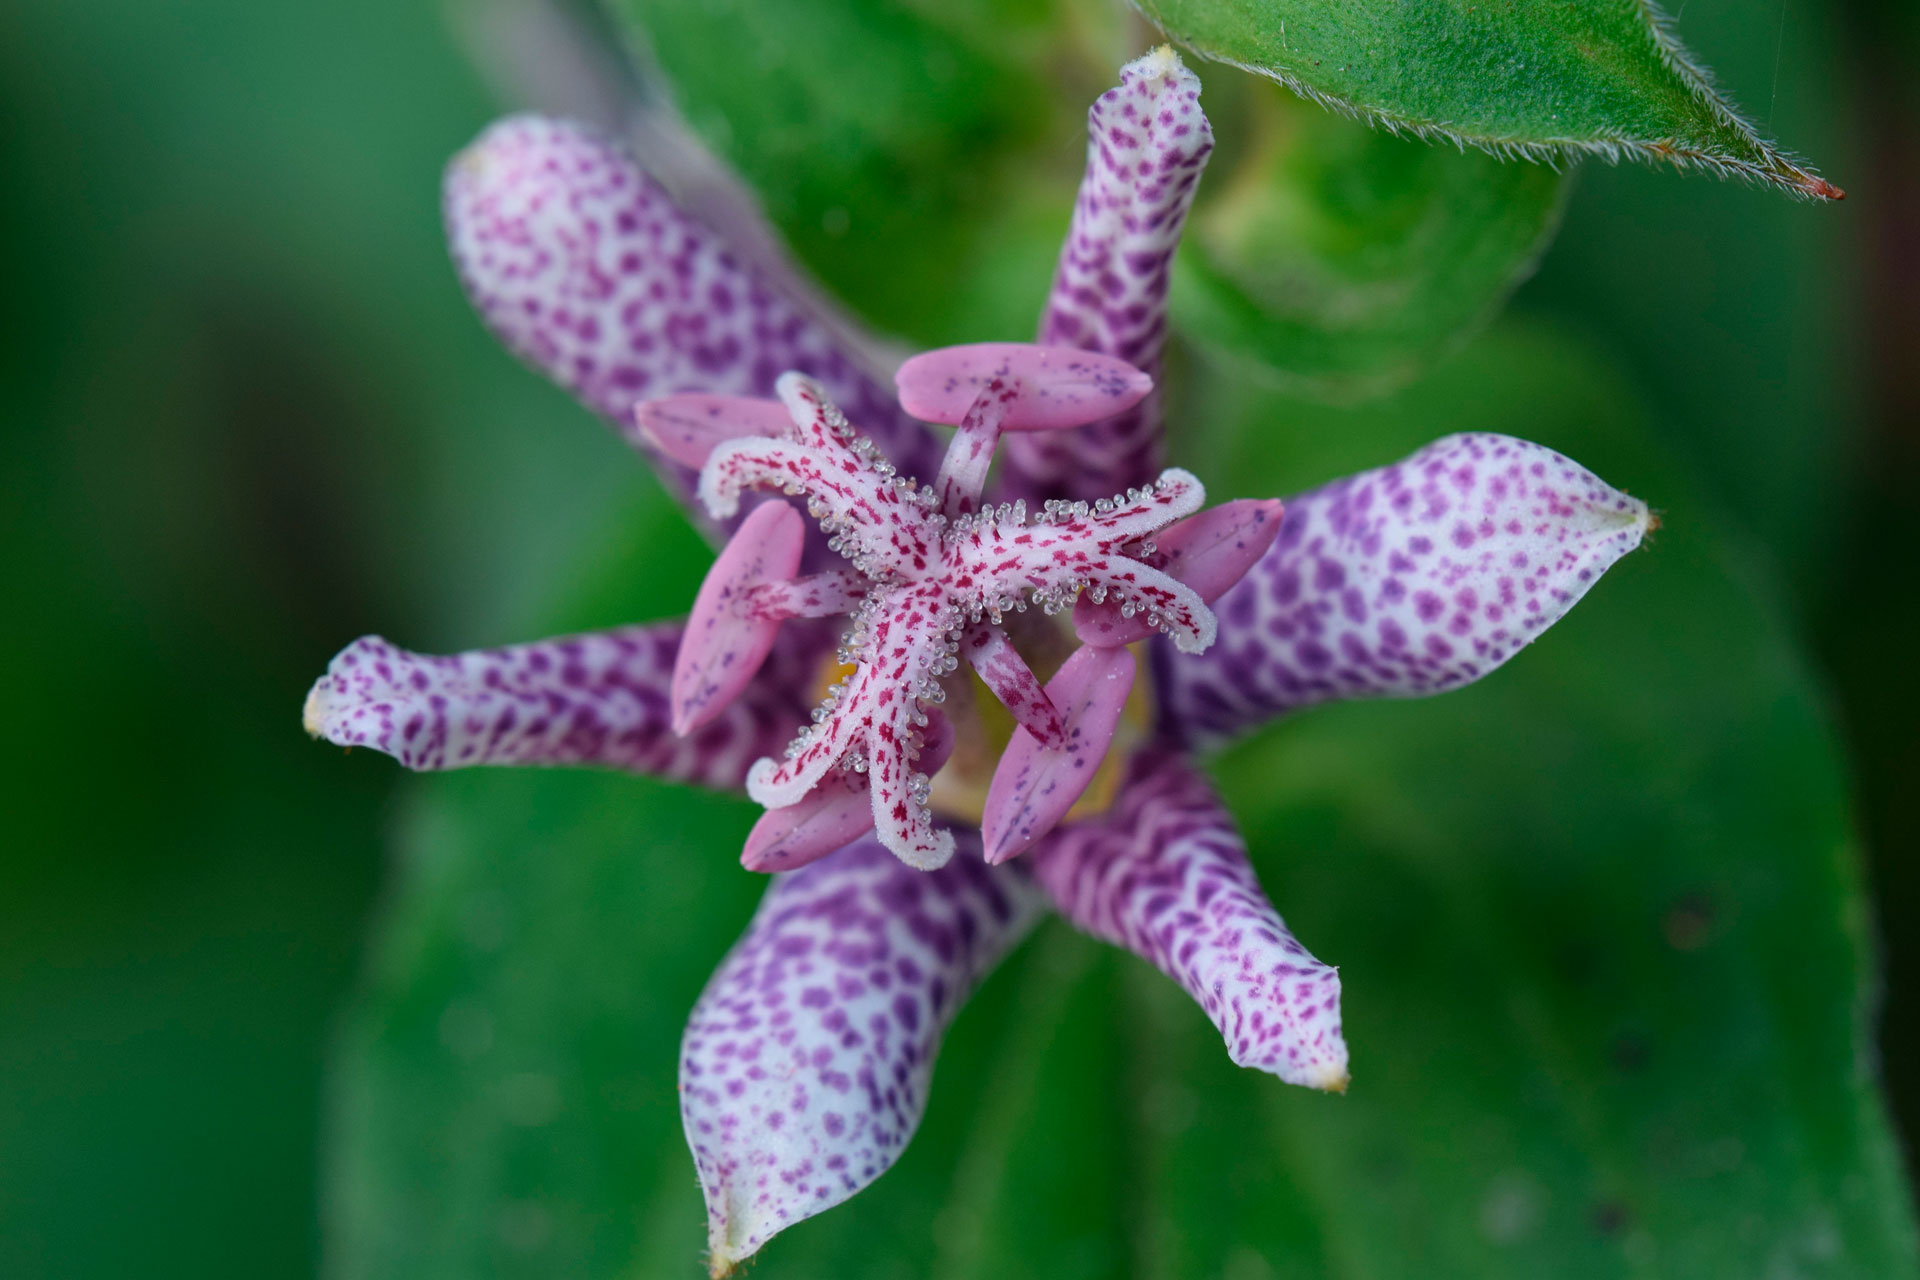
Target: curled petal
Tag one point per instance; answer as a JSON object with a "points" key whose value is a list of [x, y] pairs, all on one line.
{"points": [[1165, 875], [901, 819], [812, 413], [726, 639], [1147, 142], [582, 265], [736, 466], [1060, 386], [1405, 581], [1034, 786], [1208, 552], [599, 699], [687, 428], [833, 815], [806, 1062]]}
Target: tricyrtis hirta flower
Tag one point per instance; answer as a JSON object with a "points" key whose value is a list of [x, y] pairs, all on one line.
{"points": [[935, 577], [845, 664]]}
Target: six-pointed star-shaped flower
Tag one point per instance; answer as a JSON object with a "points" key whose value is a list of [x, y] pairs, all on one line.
{"points": [[806, 1062], [935, 576]]}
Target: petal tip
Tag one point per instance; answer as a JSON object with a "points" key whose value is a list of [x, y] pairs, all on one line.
{"points": [[313, 713], [937, 855], [1161, 60], [1304, 1058], [998, 845], [724, 645], [1331, 1079]]}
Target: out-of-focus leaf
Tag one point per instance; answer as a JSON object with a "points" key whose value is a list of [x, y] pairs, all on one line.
{"points": [[1743, 318], [1599, 921], [1531, 76], [1344, 259], [886, 133], [247, 417]]}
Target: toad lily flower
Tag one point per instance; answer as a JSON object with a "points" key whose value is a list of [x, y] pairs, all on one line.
{"points": [[892, 818], [935, 576]]}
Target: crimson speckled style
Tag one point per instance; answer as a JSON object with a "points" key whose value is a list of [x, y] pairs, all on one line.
{"points": [[936, 577], [807, 1060]]}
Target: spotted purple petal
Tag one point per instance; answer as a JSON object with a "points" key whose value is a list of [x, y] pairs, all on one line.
{"points": [[1165, 875], [806, 1062], [1148, 141], [1405, 581], [581, 264], [598, 699]]}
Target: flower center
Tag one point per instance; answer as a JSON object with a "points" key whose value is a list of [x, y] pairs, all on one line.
{"points": [[935, 580], [982, 727]]}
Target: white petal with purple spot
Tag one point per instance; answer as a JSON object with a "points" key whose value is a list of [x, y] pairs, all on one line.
{"points": [[806, 1062], [581, 264], [1148, 141], [1405, 581], [1165, 875], [597, 699]]}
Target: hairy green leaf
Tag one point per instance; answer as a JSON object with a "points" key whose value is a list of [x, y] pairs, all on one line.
{"points": [[1599, 920], [1345, 260], [1526, 77]]}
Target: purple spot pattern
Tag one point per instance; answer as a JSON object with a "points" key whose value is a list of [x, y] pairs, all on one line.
{"points": [[1405, 581], [1165, 875], [586, 269], [1148, 143], [806, 1061], [598, 699]]}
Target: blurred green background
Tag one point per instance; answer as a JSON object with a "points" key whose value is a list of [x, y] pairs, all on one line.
{"points": [[250, 417]]}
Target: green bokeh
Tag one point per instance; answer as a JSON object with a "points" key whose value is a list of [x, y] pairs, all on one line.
{"points": [[1345, 261]]}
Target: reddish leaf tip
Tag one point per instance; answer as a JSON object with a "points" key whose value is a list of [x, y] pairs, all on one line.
{"points": [[1821, 189]]}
